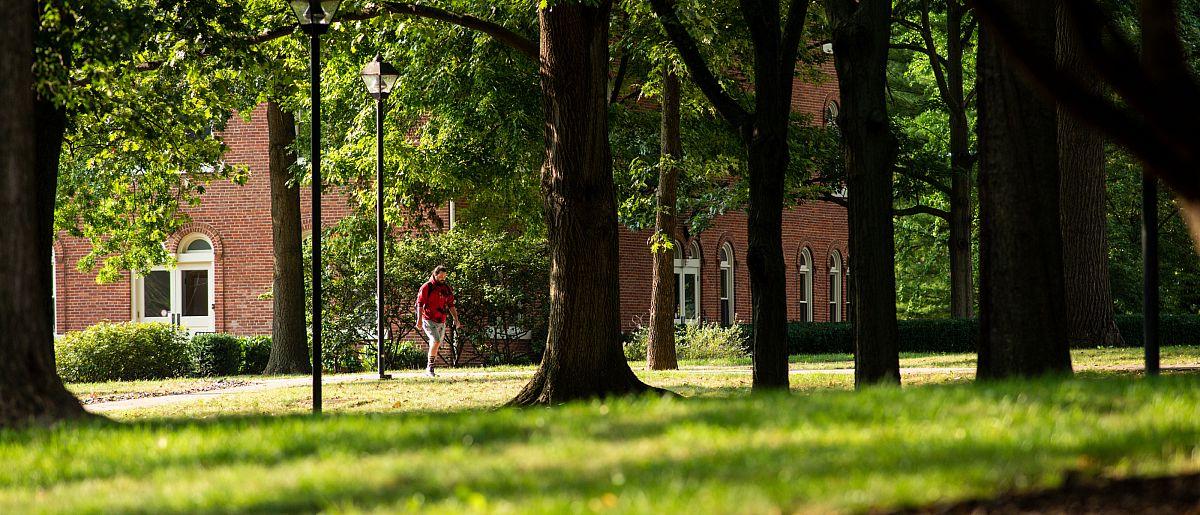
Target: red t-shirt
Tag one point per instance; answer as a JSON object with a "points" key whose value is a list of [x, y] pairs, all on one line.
{"points": [[435, 300]]}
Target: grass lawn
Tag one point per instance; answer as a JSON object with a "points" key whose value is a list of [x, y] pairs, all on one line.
{"points": [[814, 450]]}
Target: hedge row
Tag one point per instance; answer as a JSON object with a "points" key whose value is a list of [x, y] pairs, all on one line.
{"points": [[134, 351], [962, 335]]}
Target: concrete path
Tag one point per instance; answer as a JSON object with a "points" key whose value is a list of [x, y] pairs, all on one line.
{"points": [[287, 382]]}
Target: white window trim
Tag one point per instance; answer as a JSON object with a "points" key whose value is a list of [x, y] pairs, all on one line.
{"points": [[835, 286], [184, 261], [726, 268], [688, 265], [806, 284]]}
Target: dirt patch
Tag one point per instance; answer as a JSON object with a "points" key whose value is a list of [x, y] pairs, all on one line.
{"points": [[219, 384], [1153, 495]]}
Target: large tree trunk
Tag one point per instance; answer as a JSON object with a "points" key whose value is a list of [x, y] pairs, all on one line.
{"points": [[1021, 286], [768, 157], [962, 284], [660, 352], [860, 42], [1090, 317], [289, 332], [583, 348], [30, 142]]}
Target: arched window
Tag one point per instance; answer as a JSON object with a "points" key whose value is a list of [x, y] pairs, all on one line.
{"points": [[725, 256], [849, 289], [835, 286], [805, 265], [832, 110], [687, 283], [182, 295]]}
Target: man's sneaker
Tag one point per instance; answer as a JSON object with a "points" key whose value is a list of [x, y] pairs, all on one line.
{"points": [[429, 371]]}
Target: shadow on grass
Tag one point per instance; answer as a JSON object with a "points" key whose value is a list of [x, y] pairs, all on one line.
{"points": [[793, 448]]}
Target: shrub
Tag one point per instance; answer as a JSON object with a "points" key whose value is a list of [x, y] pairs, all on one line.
{"points": [[408, 355], [709, 341], [500, 280], [702, 340], [256, 351], [962, 335], [215, 354], [636, 343], [123, 352]]}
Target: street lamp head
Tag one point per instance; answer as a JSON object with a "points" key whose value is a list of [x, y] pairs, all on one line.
{"points": [[380, 78], [315, 16]]}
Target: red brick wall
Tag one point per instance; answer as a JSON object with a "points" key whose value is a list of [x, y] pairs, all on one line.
{"points": [[819, 226], [237, 219]]}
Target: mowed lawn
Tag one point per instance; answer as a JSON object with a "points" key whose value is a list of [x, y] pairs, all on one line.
{"points": [[442, 446]]}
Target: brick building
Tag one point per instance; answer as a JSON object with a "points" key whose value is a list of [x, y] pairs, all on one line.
{"points": [[225, 259]]}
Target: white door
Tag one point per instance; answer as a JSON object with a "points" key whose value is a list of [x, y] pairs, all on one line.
{"points": [[183, 295], [194, 296]]}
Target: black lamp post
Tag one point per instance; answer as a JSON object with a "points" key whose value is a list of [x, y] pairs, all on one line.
{"points": [[314, 17], [379, 77], [1150, 301]]}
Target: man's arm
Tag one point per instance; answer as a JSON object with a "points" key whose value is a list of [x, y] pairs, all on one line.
{"points": [[454, 313]]}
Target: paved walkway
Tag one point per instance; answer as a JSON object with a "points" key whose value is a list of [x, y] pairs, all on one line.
{"points": [[287, 382]]}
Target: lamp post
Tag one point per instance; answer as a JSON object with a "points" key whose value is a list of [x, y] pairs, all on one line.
{"points": [[314, 17], [1150, 301], [379, 78]]}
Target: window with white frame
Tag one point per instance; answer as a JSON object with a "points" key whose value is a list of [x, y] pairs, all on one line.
{"points": [[687, 283], [806, 285], [849, 289], [183, 294], [725, 257], [54, 291], [835, 286]]}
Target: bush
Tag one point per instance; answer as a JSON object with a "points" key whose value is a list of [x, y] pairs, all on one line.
{"points": [[962, 335], [215, 354], [1172, 329], [500, 280], [408, 355], [256, 352], [123, 352], [702, 340]]}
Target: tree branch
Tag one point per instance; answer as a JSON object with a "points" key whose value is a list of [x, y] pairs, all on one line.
{"points": [[918, 49], [500, 33], [730, 109], [935, 184], [922, 210], [619, 79], [939, 73], [792, 32]]}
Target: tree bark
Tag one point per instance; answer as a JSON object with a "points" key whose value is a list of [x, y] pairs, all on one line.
{"points": [[860, 42], [660, 352], [1021, 287], [30, 144], [765, 135], [583, 355], [289, 331], [962, 284], [1090, 315]]}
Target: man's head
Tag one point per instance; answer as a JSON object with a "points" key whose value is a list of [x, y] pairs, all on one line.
{"points": [[439, 273]]}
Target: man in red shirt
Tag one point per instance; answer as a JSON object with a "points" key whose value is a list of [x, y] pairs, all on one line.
{"points": [[435, 301]]}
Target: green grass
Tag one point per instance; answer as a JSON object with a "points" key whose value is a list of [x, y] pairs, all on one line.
{"points": [[1175, 355], [816, 450]]}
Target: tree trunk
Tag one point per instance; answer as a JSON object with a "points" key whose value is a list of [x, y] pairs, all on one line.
{"points": [[860, 42], [767, 160], [1090, 318], [962, 285], [1021, 287], [289, 331], [583, 355], [660, 352], [30, 144]]}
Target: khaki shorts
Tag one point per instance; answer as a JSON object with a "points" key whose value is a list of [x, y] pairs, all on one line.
{"points": [[435, 332]]}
